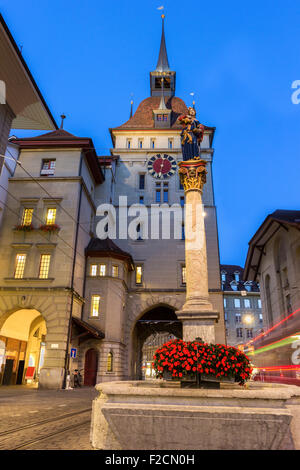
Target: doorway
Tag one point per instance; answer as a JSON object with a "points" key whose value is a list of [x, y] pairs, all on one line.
{"points": [[90, 367]]}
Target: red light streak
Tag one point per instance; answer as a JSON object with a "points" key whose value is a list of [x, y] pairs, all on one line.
{"points": [[272, 328], [278, 368]]}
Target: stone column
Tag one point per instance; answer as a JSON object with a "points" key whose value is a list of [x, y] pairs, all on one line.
{"points": [[197, 315]]}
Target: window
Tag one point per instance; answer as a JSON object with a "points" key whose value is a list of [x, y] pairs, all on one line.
{"points": [[166, 195], [237, 276], [140, 143], [27, 217], [20, 266], [93, 270], [182, 201], [48, 167], [109, 362], [225, 303], [44, 266], [170, 143], [128, 143], [259, 303], [152, 143], [142, 181], [237, 303], [102, 270], [115, 271], [249, 333], [239, 332], [233, 285], [138, 275], [139, 232], [95, 304], [182, 232], [51, 216], [162, 188], [223, 276], [225, 316], [162, 117], [141, 199], [181, 186], [260, 318], [247, 303], [183, 275], [238, 318], [248, 286]]}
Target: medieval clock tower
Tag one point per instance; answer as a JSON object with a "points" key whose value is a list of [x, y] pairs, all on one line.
{"points": [[145, 153]]}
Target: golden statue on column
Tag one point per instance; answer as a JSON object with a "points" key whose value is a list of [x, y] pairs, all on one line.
{"points": [[197, 314]]}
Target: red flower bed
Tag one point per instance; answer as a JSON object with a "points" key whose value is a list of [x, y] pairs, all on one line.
{"points": [[49, 228], [187, 358]]}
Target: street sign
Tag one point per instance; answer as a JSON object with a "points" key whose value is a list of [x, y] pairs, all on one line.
{"points": [[73, 352]]}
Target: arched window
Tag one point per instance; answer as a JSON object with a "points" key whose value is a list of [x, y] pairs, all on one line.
{"points": [[268, 300], [110, 358]]}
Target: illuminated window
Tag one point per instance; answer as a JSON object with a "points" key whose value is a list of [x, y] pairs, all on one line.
{"points": [[51, 216], [95, 304], [93, 270], [247, 303], [225, 303], [20, 266], [115, 271], [138, 275], [259, 303], [102, 269], [237, 303], [44, 266], [183, 275], [27, 216], [110, 358], [223, 276]]}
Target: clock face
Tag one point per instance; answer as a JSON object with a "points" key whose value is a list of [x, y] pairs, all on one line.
{"points": [[161, 166]]}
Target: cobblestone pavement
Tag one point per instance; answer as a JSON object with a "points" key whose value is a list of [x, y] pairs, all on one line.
{"points": [[45, 419]]}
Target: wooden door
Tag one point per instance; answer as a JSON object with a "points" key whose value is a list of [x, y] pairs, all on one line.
{"points": [[90, 367]]}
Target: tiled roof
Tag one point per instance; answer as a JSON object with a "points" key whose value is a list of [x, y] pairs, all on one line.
{"points": [[107, 247], [143, 117], [59, 134], [230, 270]]}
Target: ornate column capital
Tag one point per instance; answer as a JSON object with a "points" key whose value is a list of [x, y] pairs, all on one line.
{"points": [[193, 174]]}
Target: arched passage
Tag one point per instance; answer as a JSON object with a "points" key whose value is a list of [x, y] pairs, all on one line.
{"points": [[22, 337], [151, 330]]}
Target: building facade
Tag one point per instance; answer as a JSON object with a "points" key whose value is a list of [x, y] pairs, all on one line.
{"points": [[89, 294], [242, 306], [273, 260]]}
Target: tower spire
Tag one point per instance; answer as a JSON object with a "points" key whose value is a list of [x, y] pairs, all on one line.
{"points": [[162, 63]]}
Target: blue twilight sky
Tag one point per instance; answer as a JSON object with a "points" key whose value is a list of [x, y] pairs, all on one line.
{"points": [[239, 58]]}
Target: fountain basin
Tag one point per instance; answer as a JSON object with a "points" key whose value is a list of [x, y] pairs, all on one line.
{"points": [[157, 415]]}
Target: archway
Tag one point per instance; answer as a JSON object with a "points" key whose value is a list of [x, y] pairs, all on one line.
{"points": [[156, 326], [90, 367], [22, 337]]}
